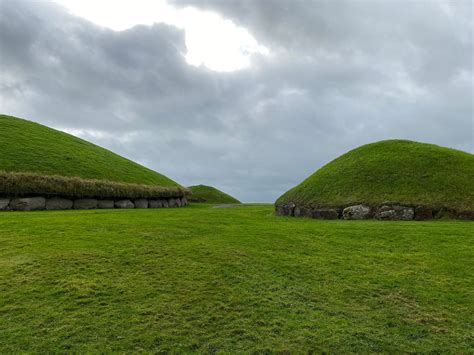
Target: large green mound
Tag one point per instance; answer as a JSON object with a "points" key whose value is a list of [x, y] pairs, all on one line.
{"points": [[30, 147], [209, 194], [393, 170]]}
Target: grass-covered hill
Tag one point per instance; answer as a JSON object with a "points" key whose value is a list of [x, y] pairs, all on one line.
{"points": [[30, 147], [393, 170], [209, 194]]}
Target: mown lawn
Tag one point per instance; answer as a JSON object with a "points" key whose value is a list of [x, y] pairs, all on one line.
{"points": [[232, 280]]}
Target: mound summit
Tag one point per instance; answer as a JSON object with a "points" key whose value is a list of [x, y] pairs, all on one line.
{"points": [[393, 179], [209, 194]]}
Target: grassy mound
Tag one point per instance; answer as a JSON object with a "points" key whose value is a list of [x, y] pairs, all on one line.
{"points": [[30, 147], [208, 194], [394, 170]]}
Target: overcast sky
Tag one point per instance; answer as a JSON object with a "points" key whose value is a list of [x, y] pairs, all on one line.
{"points": [[248, 96]]}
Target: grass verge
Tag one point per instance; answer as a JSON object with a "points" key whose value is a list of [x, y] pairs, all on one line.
{"points": [[232, 280]]}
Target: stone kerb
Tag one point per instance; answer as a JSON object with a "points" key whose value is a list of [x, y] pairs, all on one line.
{"points": [[37, 203]]}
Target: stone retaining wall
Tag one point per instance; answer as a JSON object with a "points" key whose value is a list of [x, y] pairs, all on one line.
{"points": [[386, 211], [38, 203]]}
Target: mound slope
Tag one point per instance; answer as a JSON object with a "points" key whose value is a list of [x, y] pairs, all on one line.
{"points": [[399, 171], [209, 194], [26, 146]]}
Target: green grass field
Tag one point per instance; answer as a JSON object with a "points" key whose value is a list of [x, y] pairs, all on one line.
{"points": [[209, 194], [393, 170], [26, 146], [203, 279]]}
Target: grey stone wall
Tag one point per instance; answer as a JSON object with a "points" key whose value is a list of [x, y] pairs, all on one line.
{"points": [[385, 211], [37, 203]]}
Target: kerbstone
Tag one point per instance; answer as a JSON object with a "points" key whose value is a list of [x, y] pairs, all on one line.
{"points": [[106, 204], [4, 202], [357, 212], [155, 204], [124, 204], [85, 204], [172, 202], [57, 203], [395, 212], [422, 213], [326, 213], [141, 203], [466, 215], [28, 204]]}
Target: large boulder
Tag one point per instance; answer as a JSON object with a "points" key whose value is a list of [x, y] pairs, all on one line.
{"points": [[172, 202], [357, 212], [141, 203], [106, 204], [326, 213], [28, 204], [447, 213], [85, 204], [302, 212], [57, 203], [395, 212], [155, 203], [422, 213], [467, 215], [281, 209], [4, 202], [124, 204]]}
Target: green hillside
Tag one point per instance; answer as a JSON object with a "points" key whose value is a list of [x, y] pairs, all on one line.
{"points": [[30, 147], [209, 194], [393, 170]]}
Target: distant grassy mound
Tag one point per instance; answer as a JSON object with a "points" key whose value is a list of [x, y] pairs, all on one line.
{"points": [[30, 147], [394, 170], [208, 194]]}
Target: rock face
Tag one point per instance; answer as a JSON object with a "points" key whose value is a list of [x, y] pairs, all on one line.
{"points": [[141, 203], [124, 204], [357, 212], [57, 203], [105, 204], [85, 204], [326, 213], [28, 204], [395, 212], [4, 202]]}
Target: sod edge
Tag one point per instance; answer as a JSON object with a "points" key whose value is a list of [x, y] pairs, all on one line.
{"points": [[16, 185]]}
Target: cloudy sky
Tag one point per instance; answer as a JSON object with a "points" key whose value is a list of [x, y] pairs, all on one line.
{"points": [[245, 95]]}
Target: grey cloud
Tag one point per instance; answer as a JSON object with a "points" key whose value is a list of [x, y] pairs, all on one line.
{"points": [[340, 74]]}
